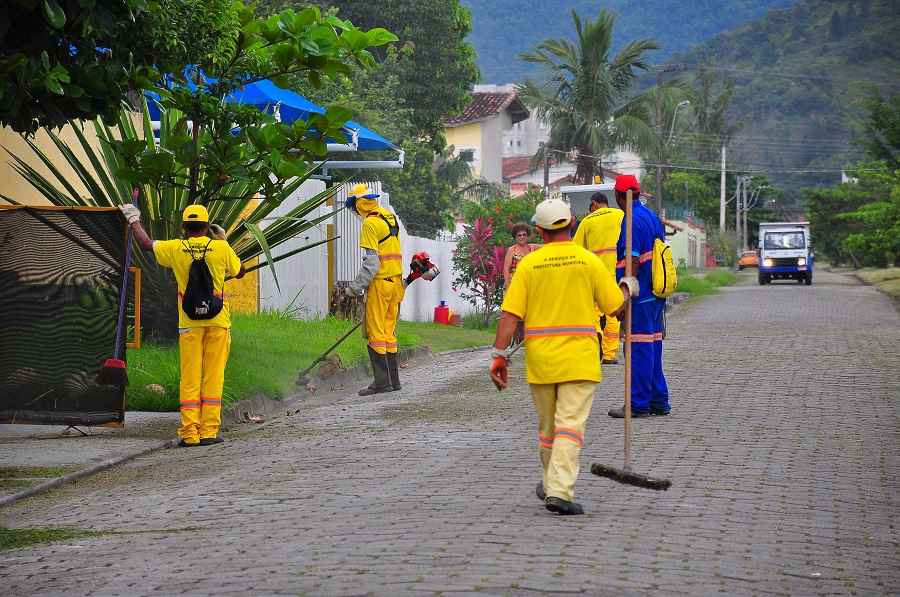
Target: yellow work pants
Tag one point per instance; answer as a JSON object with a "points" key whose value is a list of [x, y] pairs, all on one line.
{"points": [[610, 340], [203, 354], [382, 310], [562, 409]]}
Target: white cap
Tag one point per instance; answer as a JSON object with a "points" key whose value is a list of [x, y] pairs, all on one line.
{"points": [[552, 214]]}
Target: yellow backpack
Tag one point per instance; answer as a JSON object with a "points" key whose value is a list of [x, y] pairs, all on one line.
{"points": [[663, 274]]}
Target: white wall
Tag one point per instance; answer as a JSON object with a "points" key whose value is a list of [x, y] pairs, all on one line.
{"points": [[307, 272]]}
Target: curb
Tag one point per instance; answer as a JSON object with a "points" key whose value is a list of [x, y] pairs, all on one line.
{"points": [[85, 472]]}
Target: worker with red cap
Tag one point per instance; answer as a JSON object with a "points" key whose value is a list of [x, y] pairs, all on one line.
{"points": [[649, 391]]}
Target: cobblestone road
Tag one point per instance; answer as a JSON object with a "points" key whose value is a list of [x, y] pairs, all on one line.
{"points": [[782, 446]]}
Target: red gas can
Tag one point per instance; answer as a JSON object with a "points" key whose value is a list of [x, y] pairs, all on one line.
{"points": [[442, 313]]}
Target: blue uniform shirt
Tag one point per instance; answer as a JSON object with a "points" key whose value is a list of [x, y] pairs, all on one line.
{"points": [[645, 230]]}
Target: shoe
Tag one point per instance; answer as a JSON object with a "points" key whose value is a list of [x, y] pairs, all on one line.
{"points": [[658, 412], [393, 371], [619, 413], [562, 507], [184, 444], [609, 362], [539, 492], [382, 381], [208, 441]]}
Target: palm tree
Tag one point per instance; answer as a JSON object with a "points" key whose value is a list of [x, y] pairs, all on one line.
{"points": [[586, 99]]}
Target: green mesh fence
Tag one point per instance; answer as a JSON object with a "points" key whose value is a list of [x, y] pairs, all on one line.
{"points": [[60, 278]]}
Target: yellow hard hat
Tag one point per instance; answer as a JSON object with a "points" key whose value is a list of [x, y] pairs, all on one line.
{"points": [[195, 213], [361, 198]]}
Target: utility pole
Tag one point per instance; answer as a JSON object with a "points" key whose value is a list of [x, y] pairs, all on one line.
{"points": [[737, 215], [546, 171], [722, 194], [746, 212]]}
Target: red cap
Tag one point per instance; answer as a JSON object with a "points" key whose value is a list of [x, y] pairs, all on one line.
{"points": [[627, 181]]}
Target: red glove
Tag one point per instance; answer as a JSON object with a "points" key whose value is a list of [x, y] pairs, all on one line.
{"points": [[499, 373]]}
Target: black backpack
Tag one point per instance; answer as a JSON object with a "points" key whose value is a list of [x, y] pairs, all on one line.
{"points": [[199, 300]]}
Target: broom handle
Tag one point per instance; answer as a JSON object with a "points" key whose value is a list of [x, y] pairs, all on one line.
{"points": [[628, 272], [120, 324]]}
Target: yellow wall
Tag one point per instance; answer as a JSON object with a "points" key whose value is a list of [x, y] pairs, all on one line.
{"points": [[15, 186], [467, 135], [243, 294]]}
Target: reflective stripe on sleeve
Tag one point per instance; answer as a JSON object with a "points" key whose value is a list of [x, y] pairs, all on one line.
{"points": [[390, 256], [605, 251]]}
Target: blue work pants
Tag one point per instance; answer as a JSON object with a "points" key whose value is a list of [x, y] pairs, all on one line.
{"points": [[649, 390]]}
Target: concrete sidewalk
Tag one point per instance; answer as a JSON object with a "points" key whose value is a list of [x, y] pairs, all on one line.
{"points": [[31, 455]]}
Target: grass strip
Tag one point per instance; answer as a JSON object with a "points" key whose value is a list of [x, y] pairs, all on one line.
{"points": [[267, 352], [703, 285], [19, 538], [47, 472]]}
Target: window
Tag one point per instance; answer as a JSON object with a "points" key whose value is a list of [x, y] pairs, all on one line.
{"points": [[785, 240], [468, 154], [518, 143]]}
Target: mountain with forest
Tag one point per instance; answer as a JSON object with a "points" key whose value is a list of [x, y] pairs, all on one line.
{"points": [[799, 77], [503, 29]]}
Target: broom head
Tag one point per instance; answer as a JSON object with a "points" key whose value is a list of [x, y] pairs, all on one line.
{"points": [[113, 373], [629, 477]]}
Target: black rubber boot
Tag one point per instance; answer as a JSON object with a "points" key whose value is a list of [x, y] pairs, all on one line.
{"points": [[619, 413], [562, 507], [393, 371], [382, 381]]}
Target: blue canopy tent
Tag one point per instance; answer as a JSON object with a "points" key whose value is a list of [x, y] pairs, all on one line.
{"points": [[288, 106]]}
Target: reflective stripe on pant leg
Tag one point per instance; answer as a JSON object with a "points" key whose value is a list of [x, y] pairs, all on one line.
{"points": [[216, 346], [376, 312], [660, 398], [190, 356], [544, 397], [610, 340], [573, 405], [642, 338]]}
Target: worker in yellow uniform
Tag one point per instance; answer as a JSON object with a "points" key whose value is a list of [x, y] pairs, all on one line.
{"points": [[204, 322], [598, 232], [381, 278], [554, 291]]}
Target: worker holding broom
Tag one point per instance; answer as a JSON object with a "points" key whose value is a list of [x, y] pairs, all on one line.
{"points": [[554, 291], [649, 390], [200, 264], [381, 274], [598, 232]]}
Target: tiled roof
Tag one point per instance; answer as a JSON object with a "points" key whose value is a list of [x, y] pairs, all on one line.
{"points": [[516, 166], [485, 105]]}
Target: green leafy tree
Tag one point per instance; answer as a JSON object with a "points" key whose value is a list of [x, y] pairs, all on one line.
{"points": [[587, 98], [881, 128], [63, 60], [437, 67]]}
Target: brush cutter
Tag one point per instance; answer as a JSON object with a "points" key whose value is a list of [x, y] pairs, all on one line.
{"points": [[625, 474]]}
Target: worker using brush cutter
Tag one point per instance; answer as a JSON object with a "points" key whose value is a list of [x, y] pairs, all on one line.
{"points": [[598, 232], [649, 391], [554, 291], [381, 279], [200, 265]]}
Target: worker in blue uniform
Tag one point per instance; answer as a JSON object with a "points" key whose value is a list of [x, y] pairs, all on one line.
{"points": [[649, 391]]}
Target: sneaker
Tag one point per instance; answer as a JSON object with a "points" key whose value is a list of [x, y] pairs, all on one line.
{"points": [[539, 492], [658, 412], [371, 390], [609, 362], [619, 413], [208, 441], [562, 507], [184, 444]]}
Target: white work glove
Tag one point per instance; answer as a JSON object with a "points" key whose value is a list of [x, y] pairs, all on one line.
{"points": [[631, 284], [217, 232], [352, 292], [131, 212]]}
